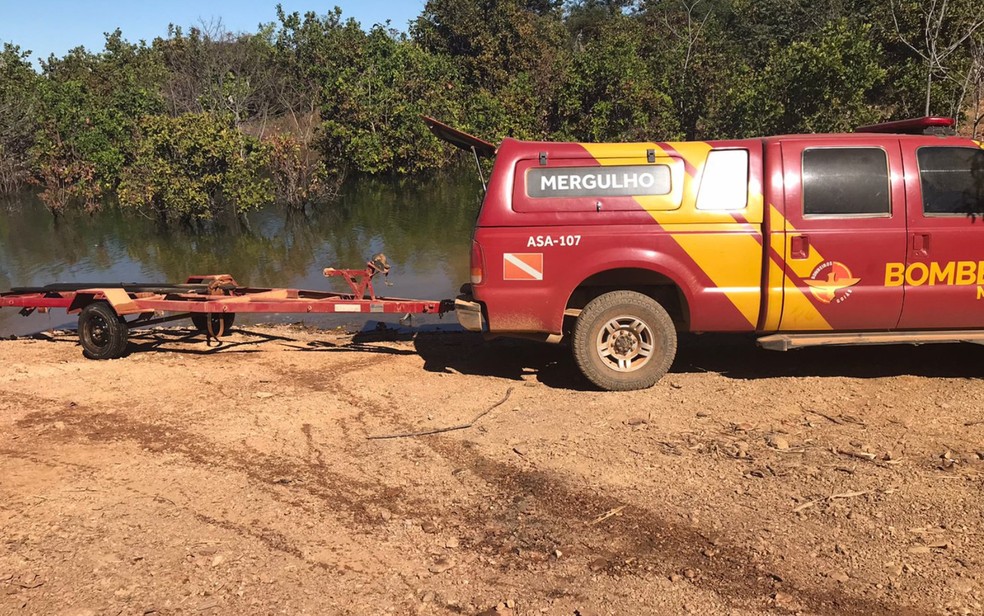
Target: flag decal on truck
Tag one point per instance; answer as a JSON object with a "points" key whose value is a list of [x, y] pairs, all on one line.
{"points": [[522, 266]]}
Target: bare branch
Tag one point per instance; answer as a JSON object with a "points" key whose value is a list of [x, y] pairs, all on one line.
{"points": [[935, 51]]}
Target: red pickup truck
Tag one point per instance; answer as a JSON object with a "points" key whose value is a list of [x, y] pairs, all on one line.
{"points": [[870, 237]]}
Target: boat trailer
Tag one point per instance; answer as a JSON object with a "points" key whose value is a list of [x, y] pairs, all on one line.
{"points": [[211, 302]]}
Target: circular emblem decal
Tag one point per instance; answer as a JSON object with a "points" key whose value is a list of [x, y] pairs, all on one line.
{"points": [[831, 282]]}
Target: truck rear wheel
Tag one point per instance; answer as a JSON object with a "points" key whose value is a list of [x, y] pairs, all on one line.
{"points": [[102, 333], [624, 340]]}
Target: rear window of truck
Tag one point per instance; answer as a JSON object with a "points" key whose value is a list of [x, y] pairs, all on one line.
{"points": [[845, 182], [952, 180], [724, 183]]}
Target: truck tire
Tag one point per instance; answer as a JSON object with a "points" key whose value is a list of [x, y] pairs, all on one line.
{"points": [[624, 340], [102, 333], [221, 322]]}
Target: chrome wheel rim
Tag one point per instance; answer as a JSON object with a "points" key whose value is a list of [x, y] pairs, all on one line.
{"points": [[625, 344]]}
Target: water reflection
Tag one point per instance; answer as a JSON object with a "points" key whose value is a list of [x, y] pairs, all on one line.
{"points": [[423, 227]]}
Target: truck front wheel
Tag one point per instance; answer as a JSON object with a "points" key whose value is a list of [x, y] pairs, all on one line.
{"points": [[624, 340]]}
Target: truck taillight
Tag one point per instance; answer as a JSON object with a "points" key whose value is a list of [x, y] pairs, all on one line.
{"points": [[477, 263]]}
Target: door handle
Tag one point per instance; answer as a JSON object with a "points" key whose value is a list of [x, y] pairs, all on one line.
{"points": [[920, 244], [799, 247]]}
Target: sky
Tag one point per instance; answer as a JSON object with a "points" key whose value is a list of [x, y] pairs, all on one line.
{"points": [[54, 26]]}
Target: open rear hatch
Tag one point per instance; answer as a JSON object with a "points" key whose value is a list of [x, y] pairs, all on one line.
{"points": [[469, 143], [459, 139]]}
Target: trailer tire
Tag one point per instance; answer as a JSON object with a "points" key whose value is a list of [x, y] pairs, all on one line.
{"points": [[221, 322], [624, 340], [103, 334]]}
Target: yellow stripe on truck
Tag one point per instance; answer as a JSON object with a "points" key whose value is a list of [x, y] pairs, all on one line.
{"points": [[609, 154], [731, 260], [798, 312], [776, 283], [695, 154], [774, 295]]}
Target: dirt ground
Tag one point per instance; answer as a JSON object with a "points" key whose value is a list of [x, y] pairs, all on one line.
{"points": [[184, 479]]}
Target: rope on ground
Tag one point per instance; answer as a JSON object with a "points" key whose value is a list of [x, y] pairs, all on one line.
{"points": [[447, 429]]}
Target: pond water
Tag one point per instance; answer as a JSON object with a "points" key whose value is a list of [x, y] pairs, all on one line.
{"points": [[423, 227]]}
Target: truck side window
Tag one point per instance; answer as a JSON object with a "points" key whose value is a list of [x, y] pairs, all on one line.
{"points": [[845, 182], [952, 180], [724, 183]]}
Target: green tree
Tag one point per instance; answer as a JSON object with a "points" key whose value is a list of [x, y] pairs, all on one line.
{"points": [[512, 56], [288, 109], [190, 168], [826, 83], [18, 117], [611, 93], [312, 51], [78, 153], [298, 181], [89, 107], [585, 19], [938, 63], [492, 40], [210, 69], [372, 109]]}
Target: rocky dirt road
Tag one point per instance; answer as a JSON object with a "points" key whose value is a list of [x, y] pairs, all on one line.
{"points": [[240, 480]]}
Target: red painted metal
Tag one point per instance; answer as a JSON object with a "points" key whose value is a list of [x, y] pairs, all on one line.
{"points": [[580, 244], [873, 306], [360, 281], [616, 237], [458, 138], [225, 296], [36, 300], [914, 126], [241, 300]]}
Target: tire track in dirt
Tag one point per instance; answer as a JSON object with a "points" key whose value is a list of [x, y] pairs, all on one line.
{"points": [[83, 469], [279, 475], [272, 539], [642, 536], [335, 492], [636, 537], [314, 379]]}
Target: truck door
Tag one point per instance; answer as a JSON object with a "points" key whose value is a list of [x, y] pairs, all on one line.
{"points": [[942, 273], [844, 222]]}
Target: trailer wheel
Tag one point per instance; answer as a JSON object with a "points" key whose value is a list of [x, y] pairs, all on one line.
{"points": [[102, 332], [624, 340], [221, 322]]}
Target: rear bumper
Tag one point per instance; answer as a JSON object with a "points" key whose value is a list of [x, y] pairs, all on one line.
{"points": [[469, 313]]}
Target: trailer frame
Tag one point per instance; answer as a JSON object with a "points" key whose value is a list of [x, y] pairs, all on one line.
{"points": [[211, 301]]}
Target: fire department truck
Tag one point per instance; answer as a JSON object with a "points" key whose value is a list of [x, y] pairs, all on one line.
{"points": [[872, 237]]}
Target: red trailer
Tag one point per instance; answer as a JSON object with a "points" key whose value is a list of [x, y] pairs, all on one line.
{"points": [[210, 301]]}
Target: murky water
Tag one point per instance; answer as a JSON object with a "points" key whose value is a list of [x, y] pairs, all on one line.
{"points": [[423, 227]]}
